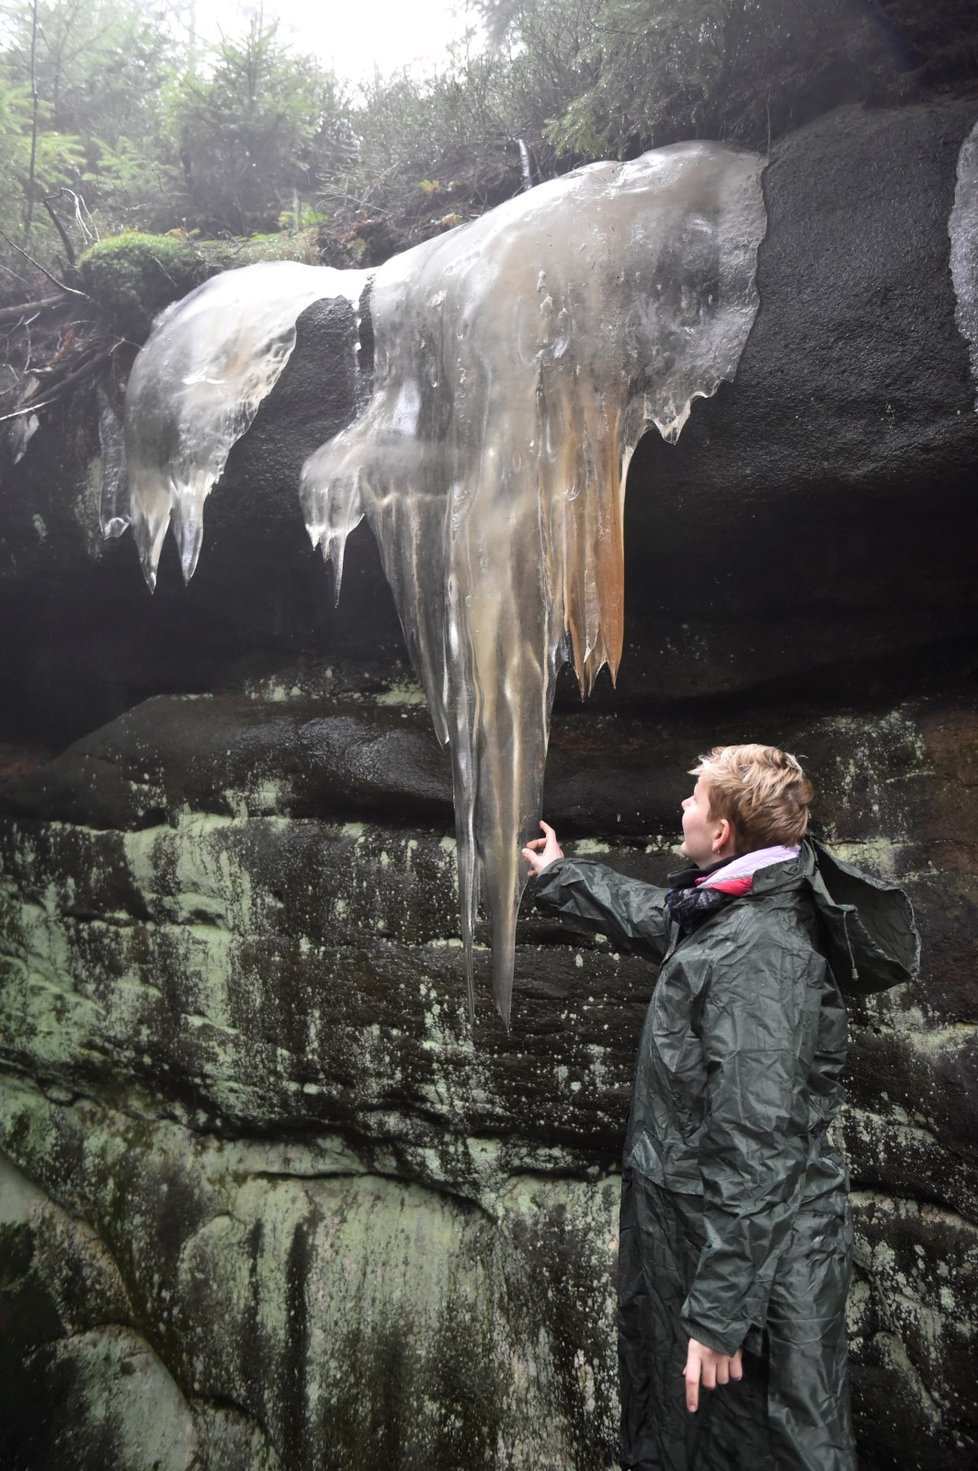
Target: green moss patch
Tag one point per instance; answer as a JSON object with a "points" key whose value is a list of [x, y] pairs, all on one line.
{"points": [[133, 276]]}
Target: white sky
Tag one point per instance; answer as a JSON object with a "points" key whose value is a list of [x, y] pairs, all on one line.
{"points": [[354, 37]]}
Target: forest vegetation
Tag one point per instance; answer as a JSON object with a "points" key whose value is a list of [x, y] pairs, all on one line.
{"points": [[114, 118], [134, 161]]}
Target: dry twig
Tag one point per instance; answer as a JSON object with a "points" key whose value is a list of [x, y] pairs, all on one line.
{"points": [[70, 290], [16, 313]]}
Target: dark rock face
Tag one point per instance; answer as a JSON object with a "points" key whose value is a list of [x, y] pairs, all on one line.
{"points": [[266, 1200], [851, 410]]}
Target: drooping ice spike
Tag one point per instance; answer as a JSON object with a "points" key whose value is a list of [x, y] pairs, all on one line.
{"points": [[197, 384], [518, 361]]}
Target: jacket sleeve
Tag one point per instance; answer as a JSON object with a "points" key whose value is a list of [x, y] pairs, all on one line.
{"points": [[632, 914], [759, 1030]]}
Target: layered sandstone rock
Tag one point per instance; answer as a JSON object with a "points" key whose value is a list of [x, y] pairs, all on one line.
{"points": [[267, 1200]]}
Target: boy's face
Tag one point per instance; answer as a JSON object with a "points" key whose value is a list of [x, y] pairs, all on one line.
{"points": [[700, 830]]}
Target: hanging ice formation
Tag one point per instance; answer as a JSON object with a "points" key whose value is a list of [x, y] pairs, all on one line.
{"points": [[963, 230], [195, 388], [518, 360]]}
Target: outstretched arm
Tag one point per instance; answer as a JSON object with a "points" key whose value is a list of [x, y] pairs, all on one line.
{"points": [[630, 913]]}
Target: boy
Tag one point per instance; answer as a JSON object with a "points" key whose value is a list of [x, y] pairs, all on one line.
{"points": [[735, 1241]]}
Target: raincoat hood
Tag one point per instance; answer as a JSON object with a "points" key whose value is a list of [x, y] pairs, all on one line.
{"points": [[868, 932], [866, 925]]}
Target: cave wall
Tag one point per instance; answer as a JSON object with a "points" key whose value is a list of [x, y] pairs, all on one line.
{"points": [[267, 1199]]}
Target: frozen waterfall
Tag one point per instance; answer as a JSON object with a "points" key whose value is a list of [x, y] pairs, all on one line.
{"points": [[518, 359]]}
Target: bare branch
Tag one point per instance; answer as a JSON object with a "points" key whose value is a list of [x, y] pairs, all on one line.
{"points": [[65, 240], [25, 308], [43, 269], [70, 380], [36, 103]]}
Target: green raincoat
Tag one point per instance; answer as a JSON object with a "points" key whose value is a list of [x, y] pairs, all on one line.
{"points": [[735, 1226]]}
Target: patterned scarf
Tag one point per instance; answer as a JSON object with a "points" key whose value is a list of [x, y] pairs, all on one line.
{"points": [[696, 893]]}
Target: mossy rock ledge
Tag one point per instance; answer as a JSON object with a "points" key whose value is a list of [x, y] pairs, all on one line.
{"points": [[131, 277]]}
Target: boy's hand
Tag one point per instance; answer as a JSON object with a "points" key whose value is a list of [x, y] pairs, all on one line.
{"points": [[541, 852], [703, 1364]]}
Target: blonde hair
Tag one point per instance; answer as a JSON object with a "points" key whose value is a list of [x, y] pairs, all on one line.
{"points": [[761, 791]]}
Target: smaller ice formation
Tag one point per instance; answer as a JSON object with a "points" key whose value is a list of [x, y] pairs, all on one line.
{"points": [[195, 389], [963, 229], [518, 360]]}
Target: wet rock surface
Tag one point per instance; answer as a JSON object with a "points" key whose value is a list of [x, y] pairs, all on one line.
{"points": [[267, 1200], [202, 966]]}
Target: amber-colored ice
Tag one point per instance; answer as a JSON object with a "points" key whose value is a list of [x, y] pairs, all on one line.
{"points": [[518, 360]]}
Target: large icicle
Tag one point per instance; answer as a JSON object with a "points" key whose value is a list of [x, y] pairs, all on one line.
{"points": [[963, 229], [196, 386], [518, 361]]}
